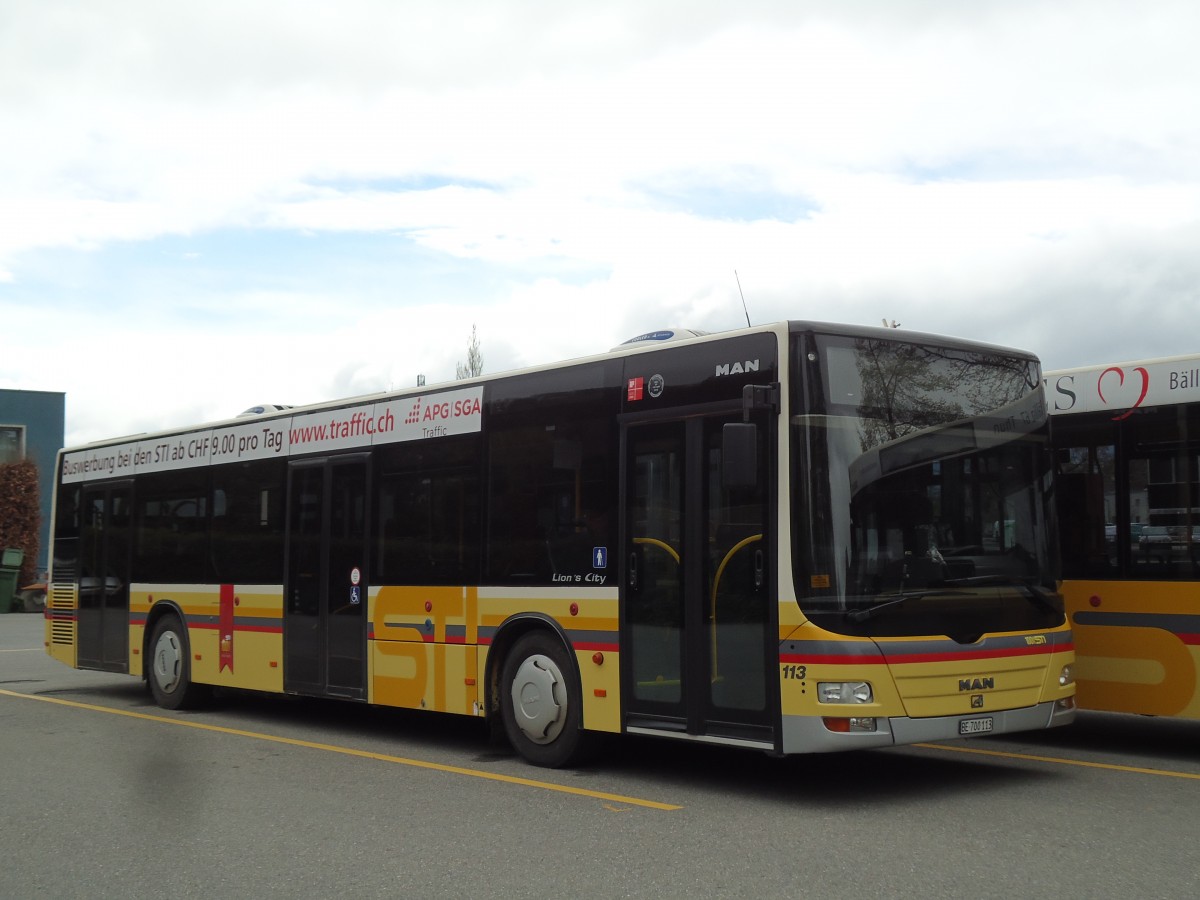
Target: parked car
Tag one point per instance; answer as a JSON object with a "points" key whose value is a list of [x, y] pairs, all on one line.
{"points": [[1169, 543]]}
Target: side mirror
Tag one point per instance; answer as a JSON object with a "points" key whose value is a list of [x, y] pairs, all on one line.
{"points": [[739, 455]]}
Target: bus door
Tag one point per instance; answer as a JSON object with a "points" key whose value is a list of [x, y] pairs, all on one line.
{"points": [[325, 613], [697, 610], [102, 636]]}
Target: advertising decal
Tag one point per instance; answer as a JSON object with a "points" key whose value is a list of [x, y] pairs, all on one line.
{"points": [[416, 418]]}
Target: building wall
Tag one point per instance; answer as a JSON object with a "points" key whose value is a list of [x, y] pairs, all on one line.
{"points": [[41, 415]]}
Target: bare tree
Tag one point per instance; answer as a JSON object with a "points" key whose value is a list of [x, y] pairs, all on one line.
{"points": [[474, 363]]}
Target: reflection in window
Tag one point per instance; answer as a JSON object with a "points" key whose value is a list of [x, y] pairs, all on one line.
{"points": [[898, 388], [248, 522], [171, 534], [1087, 493], [1129, 494]]}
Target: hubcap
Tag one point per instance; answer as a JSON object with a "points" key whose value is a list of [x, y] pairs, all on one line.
{"points": [[539, 699], [168, 661]]}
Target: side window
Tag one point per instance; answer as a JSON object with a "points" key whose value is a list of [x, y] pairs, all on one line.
{"points": [[12, 443], [552, 500], [171, 527], [1089, 531], [429, 513], [67, 525], [248, 522], [1164, 492], [552, 482]]}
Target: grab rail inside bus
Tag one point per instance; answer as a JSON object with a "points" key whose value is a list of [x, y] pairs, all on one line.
{"points": [[744, 542]]}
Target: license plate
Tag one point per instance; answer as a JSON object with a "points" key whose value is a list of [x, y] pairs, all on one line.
{"points": [[974, 726]]}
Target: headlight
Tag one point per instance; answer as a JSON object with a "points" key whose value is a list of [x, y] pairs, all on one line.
{"points": [[1067, 675], [844, 692]]}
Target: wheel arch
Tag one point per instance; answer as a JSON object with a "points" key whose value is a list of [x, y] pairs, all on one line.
{"points": [[159, 611], [507, 634]]}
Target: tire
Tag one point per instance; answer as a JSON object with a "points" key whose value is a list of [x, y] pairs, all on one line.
{"points": [[541, 703], [169, 667]]}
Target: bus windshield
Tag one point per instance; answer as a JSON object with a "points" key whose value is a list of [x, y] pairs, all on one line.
{"points": [[927, 474]]}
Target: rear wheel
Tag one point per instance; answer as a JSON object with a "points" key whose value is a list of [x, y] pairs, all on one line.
{"points": [[541, 702], [169, 668]]}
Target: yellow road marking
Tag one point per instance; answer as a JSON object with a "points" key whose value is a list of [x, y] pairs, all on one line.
{"points": [[1137, 770], [350, 751]]}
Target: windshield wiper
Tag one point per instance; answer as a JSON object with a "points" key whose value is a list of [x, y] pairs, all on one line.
{"points": [[1043, 598], [869, 612]]}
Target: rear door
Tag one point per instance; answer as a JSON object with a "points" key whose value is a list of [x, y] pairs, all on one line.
{"points": [[103, 579]]}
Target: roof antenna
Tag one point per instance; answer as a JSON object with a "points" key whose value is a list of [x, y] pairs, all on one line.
{"points": [[743, 296]]}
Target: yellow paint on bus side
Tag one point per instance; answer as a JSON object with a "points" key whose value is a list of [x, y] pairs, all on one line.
{"points": [[427, 652], [1130, 656], [254, 658]]}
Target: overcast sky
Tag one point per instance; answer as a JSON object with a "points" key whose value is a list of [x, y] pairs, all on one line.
{"points": [[204, 206]]}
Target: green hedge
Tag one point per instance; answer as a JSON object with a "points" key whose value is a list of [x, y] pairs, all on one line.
{"points": [[20, 514]]}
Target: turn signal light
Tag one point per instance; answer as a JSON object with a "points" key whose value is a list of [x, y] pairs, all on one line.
{"points": [[849, 725]]}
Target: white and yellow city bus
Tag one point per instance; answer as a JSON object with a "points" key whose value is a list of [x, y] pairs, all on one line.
{"points": [[1127, 439], [798, 537]]}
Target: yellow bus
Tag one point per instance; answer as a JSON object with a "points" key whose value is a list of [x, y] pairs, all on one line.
{"points": [[792, 538], [1127, 443]]}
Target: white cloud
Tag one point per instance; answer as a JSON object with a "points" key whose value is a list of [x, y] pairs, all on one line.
{"points": [[991, 169]]}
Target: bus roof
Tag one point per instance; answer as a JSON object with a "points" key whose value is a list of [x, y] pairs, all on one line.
{"points": [[642, 344]]}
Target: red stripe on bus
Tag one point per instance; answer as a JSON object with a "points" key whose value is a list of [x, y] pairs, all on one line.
{"points": [[261, 629], [909, 658]]}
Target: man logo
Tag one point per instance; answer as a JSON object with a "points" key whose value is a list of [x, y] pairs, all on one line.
{"points": [[976, 684], [737, 368]]}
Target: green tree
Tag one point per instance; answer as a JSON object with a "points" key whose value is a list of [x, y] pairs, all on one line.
{"points": [[474, 363]]}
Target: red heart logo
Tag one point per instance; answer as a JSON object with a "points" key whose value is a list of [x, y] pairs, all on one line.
{"points": [[1120, 383]]}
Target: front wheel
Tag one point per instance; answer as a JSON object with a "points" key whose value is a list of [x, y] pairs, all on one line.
{"points": [[169, 668], [541, 702]]}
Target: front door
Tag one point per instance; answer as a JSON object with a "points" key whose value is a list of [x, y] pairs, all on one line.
{"points": [[104, 559], [697, 597], [325, 613]]}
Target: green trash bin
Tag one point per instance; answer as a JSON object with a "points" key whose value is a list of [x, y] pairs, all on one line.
{"points": [[10, 570]]}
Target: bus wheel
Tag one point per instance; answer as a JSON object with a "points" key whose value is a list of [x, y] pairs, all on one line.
{"points": [[541, 704], [169, 668]]}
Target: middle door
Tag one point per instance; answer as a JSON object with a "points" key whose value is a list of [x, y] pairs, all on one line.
{"points": [[325, 614]]}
